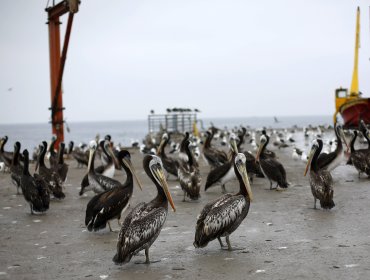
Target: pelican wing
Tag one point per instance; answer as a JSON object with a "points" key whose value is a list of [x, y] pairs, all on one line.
{"points": [[217, 173], [140, 228], [223, 215], [325, 159], [106, 206]]}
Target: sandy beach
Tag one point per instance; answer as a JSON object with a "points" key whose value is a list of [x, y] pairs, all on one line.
{"points": [[283, 237]]}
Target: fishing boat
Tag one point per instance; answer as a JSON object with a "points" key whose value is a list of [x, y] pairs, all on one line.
{"points": [[351, 105]]}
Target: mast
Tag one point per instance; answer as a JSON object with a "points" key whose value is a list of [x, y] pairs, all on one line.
{"points": [[57, 61], [354, 86]]}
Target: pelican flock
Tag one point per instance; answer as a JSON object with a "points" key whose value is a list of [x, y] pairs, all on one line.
{"points": [[194, 164]]}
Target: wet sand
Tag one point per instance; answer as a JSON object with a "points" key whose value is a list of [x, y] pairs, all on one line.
{"points": [[283, 237]]}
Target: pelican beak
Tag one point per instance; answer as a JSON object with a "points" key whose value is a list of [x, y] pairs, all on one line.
{"points": [[160, 147], [128, 163], [91, 152], [259, 152], [312, 152], [110, 151], [244, 174], [37, 163], [233, 145], [38, 158], [344, 139], [159, 174]]}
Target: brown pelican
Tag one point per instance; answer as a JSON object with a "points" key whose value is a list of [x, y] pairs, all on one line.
{"points": [[320, 179], [16, 169], [5, 157], [223, 216], [188, 171], [107, 169], [334, 159], [170, 165], [143, 224], [80, 155], [358, 158], [61, 167], [97, 182], [270, 167], [53, 156], [213, 156], [34, 189], [49, 175], [110, 204], [224, 173], [241, 136]]}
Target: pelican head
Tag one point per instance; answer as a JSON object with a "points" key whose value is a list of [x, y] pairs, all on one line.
{"points": [[232, 140], [92, 148], [163, 142], [125, 157], [240, 161], [156, 169], [263, 142], [316, 143]]}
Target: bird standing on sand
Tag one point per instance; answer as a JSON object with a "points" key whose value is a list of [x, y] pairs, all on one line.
{"points": [[49, 175], [188, 171], [320, 179], [112, 203], [213, 156], [222, 217], [332, 160], [272, 169], [34, 189], [143, 224], [171, 165], [16, 169], [97, 182], [224, 173], [107, 170], [358, 158]]}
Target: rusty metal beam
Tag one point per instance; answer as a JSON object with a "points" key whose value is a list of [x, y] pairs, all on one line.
{"points": [[57, 62]]}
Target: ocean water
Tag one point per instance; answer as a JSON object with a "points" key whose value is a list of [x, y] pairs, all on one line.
{"points": [[124, 132]]}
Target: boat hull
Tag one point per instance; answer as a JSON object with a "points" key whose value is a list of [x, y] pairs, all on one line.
{"points": [[355, 110]]}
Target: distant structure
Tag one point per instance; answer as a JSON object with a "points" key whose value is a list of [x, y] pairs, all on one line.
{"points": [[177, 120]]}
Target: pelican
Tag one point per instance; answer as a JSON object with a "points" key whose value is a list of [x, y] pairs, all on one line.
{"points": [[222, 217], [79, 154], [188, 171], [97, 182], [358, 158], [5, 157], [106, 170], [34, 189], [213, 156], [49, 175], [53, 159], [170, 165], [61, 167], [332, 160], [16, 169], [320, 179], [112, 203], [143, 224], [241, 137], [270, 167], [224, 173]]}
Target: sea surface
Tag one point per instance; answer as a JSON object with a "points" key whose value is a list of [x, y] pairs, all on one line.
{"points": [[124, 132]]}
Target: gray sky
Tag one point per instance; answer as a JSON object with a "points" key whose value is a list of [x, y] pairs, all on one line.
{"points": [[227, 58]]}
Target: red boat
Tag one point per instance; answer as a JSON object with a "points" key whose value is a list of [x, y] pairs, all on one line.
{"points": [[352, 106], [352, 109]]}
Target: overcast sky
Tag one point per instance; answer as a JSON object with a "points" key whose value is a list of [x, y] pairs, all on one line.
{"points": [[228, 58]]}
